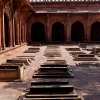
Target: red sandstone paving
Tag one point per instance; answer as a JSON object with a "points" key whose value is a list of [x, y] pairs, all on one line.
{"points": [[86, 81]]}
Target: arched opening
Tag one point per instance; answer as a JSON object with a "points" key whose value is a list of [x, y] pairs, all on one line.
{"points": [[58, 33], [38, 32], [77, 31], [95, 31], [6, 27]]}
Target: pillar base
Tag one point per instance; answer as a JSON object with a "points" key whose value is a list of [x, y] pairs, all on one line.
{"points": [[3, 46]]}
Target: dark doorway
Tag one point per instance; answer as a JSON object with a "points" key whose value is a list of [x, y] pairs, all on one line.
{"points": [[95, 31], [77, 31], [58, 32], [6, 27], [38, 32]]}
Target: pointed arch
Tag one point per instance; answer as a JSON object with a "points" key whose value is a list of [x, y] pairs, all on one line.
{"points": [[77, 31], [95, 31], [38, 32], [58, 32]]}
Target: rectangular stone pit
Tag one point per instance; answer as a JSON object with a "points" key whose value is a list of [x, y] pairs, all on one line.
{"points": [[33, 48], [55, 63], [76, 53], [26, 56], [85, 59], [26, 61], [12, 64], [11, 72], [30, 51], [85, 55], [73, 49]]}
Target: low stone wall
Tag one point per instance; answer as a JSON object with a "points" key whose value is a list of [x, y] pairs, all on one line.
{"points": [[11, 72]]}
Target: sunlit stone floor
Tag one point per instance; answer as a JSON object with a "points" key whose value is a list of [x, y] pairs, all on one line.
{"points": [[86, 81]]}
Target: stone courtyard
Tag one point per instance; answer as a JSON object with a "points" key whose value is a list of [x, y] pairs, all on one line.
{"points": [[86, 78]]}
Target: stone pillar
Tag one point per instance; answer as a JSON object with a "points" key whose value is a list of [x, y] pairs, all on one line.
{"points": [[2, 28], [88, 29], [65, 31], [25, 31], [13, 33], [68, 29], [17, 32], [48, 36], [1, 14], [20, 32]]}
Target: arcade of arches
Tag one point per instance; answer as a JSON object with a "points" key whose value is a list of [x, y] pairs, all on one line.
{"points": [[20, 24]]}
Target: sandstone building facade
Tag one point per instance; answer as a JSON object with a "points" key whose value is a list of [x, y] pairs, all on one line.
{"points": [[48, 21]]}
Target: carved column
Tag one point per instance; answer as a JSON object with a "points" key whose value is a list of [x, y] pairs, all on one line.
{"points": [[13, 33], [20, 32], [68, 29], [2, 28], [48, 36], [25, 33], [1, 14], [17, 32], [65, 30], [88, 36]]}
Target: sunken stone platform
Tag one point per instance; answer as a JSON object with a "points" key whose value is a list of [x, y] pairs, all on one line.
{"points": [[85, 59], [9, 72], [51, 91], [26, 61], [33, 48], [85, 55], [30, 51], [73, 49], [55, 63], [53, 72], [76, 53]]}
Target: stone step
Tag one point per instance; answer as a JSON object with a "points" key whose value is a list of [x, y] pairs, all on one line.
{"points": [[54, 69], [53, 76], [50, 95], [56, 98], [53, 65], [50, 82], [56, 63], [51, 89]]}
